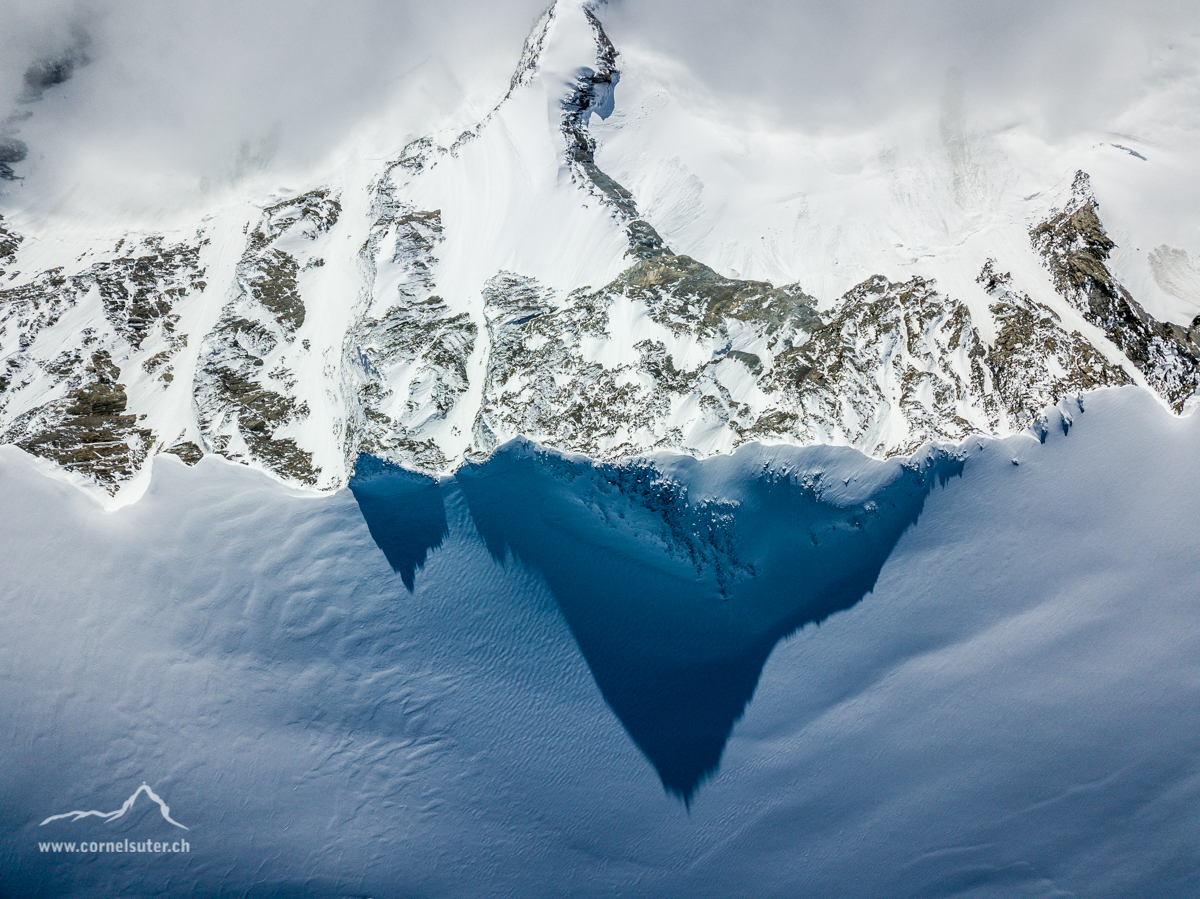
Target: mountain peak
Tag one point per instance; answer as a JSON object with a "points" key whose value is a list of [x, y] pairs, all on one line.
{"points": [[506, 284]]}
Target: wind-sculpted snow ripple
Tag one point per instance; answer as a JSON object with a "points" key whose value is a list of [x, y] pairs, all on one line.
{"points": [[1010, 712]]}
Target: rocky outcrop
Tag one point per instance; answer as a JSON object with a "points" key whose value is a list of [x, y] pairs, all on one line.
{"points": [[245, 385], [888, 368], [87, 431], [139, 292], [268, 271], [1034, 361], [63, 398], [243, 403], [408, 348], [11, 151], [593, 94], [670, 354], [1075, 247], [10, 242]]}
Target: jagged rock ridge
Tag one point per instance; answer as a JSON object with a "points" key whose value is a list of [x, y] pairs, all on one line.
{"points": [[1075, 246], [670, 354]]}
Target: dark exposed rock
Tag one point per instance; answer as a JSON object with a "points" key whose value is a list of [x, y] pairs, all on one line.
{"points": [[684, 293], [888, 367], [186, 450], [235, 394], [716, 361], [243, 385], [312, 213], [52, 71], [269, 273], [141, 291], [532, 50], [542, 384], [12, 150], [594, 93], [1075, 248], [88, 432], [10, 242], [421, 334], [411, 331], [1034, 361], [884, 347], [36, 305], [272, 281]]}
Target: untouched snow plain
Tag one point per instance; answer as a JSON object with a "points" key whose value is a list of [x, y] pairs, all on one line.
{"points": [[422, 688]]}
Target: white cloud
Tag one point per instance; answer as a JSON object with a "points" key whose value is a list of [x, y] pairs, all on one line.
{"points": [[176, 93], [1057, 65]]}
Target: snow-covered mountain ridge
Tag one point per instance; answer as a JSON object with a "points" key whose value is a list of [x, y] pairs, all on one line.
{"points": [[430, 310]]}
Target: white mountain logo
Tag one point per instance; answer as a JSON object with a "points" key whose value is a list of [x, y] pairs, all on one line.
{"points": [[113, 816]]}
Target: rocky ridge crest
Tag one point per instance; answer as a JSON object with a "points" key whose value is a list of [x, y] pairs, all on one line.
{"points": [[668, 355]]}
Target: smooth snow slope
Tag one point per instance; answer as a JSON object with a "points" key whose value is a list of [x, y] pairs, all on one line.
{"points": [[1009, 713]]}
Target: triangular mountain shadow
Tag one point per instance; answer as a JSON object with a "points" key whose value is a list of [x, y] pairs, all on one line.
{"points": [[404, 512], [675, 602]]}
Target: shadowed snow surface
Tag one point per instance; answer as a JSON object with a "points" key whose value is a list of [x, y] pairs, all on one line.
{"points": [[447, 689]]}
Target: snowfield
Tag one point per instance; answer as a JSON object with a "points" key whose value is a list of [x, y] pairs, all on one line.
{"points": [[1007, 711]]}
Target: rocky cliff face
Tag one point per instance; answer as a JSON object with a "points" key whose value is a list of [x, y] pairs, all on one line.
{"points": [[138, 348], [1075, 246], [68, 342], [245, 387]]}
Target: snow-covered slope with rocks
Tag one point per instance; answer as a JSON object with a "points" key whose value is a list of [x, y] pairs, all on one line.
{"points": [[582, 267]]}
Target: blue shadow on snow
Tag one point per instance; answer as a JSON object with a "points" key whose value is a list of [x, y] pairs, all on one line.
{"points": [[404, 512], [676, 592]]}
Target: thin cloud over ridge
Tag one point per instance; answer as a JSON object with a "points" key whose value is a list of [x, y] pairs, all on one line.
{"points": [[167, 102], [179, 96]]}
